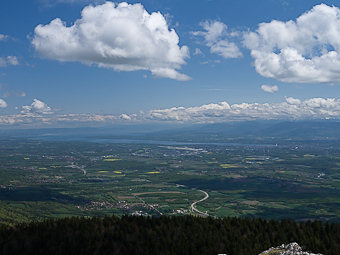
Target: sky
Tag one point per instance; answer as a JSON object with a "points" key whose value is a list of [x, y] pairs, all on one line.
{"points": [[83, 62]]}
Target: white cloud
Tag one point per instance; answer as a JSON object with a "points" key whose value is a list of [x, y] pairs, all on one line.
{"points": [[216, 37], [292, 108], [13, 60], [306, 50], [3, 37], [9, 120], [292, 100], [84, 118], [51, 119], [125, 116], [37, 107], [269, 88], [198, 52], [3, 103], [124, 37], [9, 60]]}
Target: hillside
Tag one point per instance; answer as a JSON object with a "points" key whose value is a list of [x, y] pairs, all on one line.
{"points": [[166, 235]]}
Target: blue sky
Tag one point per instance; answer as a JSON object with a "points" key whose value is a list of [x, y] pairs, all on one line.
{"points": [[103, 67]]}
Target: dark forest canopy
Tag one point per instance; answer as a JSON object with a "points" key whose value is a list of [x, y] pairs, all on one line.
{"points": [[166, 235]]}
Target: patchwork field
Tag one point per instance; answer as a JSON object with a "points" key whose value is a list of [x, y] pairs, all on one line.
{"points": [[41, 179]]}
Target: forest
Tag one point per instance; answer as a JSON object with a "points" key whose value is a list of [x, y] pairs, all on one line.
{"points": [[166, 235]]}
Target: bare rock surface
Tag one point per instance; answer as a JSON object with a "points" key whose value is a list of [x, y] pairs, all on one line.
{"points": [[288, 249]]}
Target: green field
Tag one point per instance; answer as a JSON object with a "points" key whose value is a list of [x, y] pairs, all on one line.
{"points": [[40, 179]]}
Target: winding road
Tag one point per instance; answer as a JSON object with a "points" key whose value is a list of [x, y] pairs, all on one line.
{"points": [[193, 208], [81, 168]]}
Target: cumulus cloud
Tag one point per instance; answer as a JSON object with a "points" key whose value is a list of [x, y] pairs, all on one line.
{"points": [[124, 37], [84, 118], [9, 120], [292, 100], [125, 116], [305, 50], [269, 88], [25, 118], [37, 107], [3, 103], [217, 37], [9, 60], [291, 108]]}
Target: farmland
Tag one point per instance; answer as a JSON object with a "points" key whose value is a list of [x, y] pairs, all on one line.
{"points": [[54, 179]]}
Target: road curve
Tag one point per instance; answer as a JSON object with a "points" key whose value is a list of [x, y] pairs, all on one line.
{"points": [[193, 208]]}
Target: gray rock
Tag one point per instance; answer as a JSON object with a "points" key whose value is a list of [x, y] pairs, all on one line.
{"points": [[289, 249]]}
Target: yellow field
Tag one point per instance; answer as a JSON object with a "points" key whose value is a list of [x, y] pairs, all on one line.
{"points": [[155, 172], [112, 159], [229, 166]]}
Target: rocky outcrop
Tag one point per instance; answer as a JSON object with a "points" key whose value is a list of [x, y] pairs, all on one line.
{"points": [[289, 249]]}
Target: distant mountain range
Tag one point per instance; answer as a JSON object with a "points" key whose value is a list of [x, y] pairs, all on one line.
{"points": [[298, 130], [217, 132]]}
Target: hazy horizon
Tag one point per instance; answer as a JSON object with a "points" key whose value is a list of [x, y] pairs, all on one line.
{"points": [[98, 63]]}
